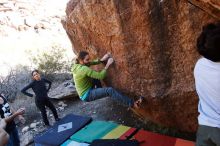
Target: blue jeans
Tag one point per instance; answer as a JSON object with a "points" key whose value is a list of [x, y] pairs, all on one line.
{"points": [[13, 138], [99, 93]]}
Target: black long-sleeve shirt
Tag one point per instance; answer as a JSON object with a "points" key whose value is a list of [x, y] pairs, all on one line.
{"points": [[39, 87]]}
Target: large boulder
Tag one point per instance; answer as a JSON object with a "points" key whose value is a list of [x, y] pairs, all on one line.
{"points": [[210, 6], [64, 90], [154, 47]]}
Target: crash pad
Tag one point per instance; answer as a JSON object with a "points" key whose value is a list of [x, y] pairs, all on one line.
{"points": [[128, 134], [182, 142], [62, 130], [94, 130], [117, 132], [146, 138], [73, 143], [114, 142]]}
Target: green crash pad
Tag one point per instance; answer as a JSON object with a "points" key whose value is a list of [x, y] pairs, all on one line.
{"points": [[92, 131], [116, 133]]}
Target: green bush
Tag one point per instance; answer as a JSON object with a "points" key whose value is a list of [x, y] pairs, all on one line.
{"points": [[52, 61]]}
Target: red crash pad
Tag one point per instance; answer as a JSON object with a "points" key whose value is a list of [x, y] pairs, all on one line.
{"points": [[153, 139], [147, 138], [128, 133], [182, 142]]}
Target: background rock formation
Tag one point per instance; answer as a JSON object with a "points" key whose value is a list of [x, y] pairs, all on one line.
{"points": [[64, 90], [30, 27], [154, 46]]}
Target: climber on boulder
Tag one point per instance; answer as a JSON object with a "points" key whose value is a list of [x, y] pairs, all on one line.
{"points": [[84, 77]]}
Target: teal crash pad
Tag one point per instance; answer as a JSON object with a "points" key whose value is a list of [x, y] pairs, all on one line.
{"points": [[94, 130], [74, 143]]}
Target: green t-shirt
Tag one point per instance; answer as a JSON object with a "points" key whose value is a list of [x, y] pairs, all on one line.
{"points": [[83, 76]]}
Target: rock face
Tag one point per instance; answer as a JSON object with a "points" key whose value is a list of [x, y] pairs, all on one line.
{"points": [[154, 46], [64, 90], [210, 6]]}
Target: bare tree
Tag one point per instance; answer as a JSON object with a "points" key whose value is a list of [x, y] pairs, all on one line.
{"points": [[11, 84]]}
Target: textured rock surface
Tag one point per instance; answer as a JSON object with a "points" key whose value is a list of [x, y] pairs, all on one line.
{"points": [[64, 90], [210, 6], [153, 43]]}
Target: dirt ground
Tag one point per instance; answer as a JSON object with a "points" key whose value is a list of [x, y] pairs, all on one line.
{"points": [[103, 109]]}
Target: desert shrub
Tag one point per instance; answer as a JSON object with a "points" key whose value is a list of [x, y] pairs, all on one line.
{"points": [[11, 84], [51, 61]]}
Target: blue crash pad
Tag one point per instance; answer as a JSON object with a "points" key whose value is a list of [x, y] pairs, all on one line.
{"points": [[62, 130]]}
